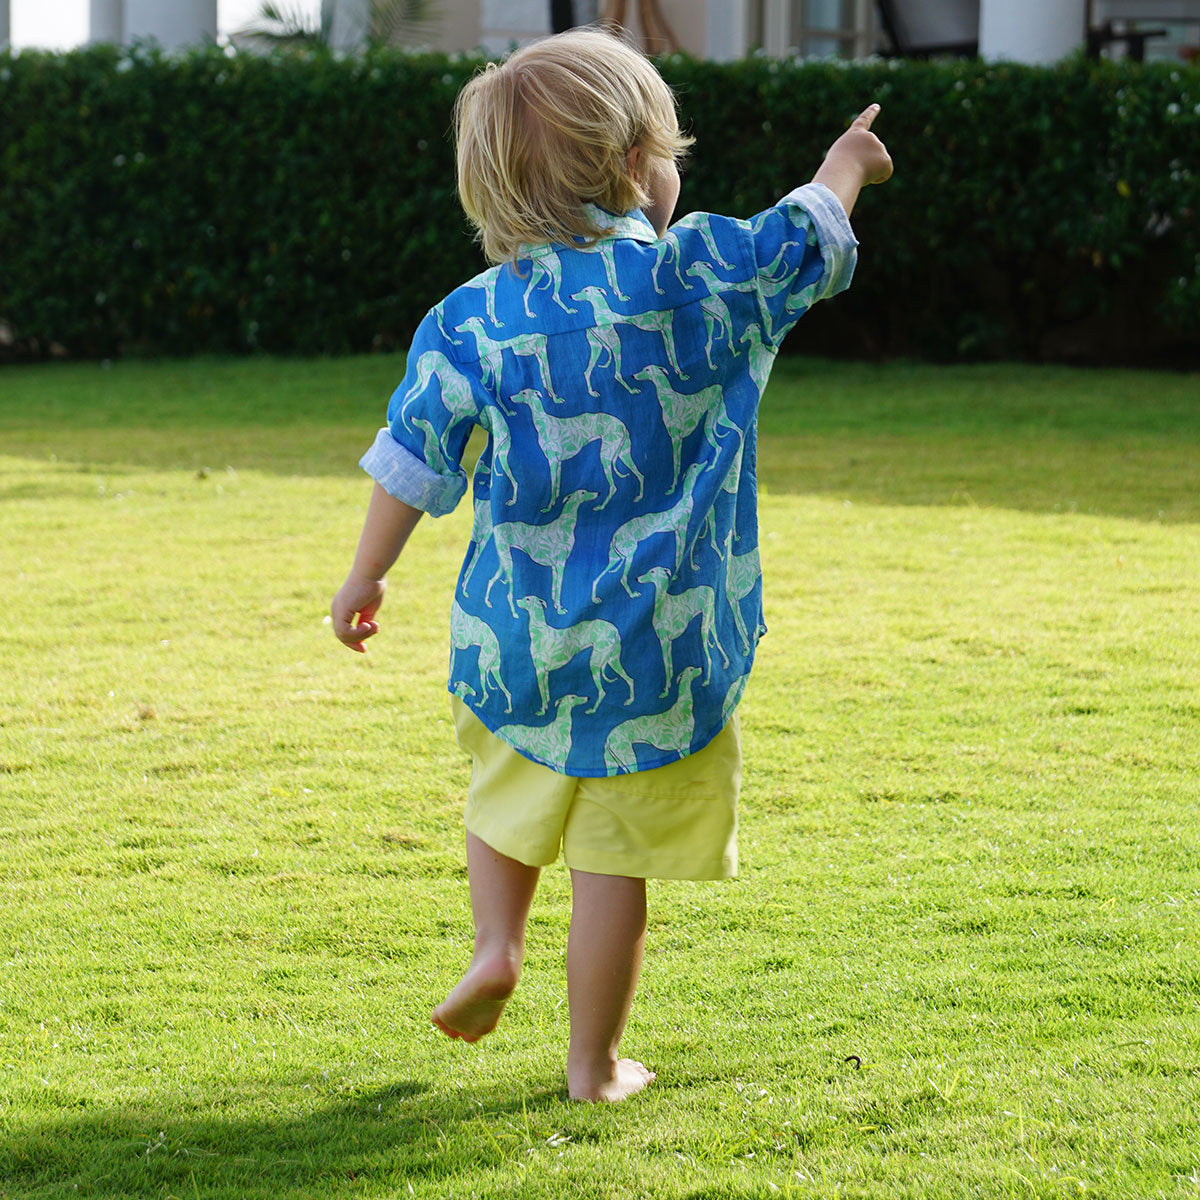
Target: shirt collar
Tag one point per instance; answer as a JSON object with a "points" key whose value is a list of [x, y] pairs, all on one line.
{"points": [[635, 225]]}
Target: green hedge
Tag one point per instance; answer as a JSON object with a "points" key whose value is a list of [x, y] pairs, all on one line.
{"points": [[305, 203]]}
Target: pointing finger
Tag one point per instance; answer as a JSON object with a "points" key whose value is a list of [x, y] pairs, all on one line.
{"points": [[864, 118]]}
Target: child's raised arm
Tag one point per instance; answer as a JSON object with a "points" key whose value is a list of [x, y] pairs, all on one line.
{"points": [[856, 159], [387, 527]]}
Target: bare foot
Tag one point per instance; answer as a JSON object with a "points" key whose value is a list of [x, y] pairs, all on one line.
{"points": [[626, 1079], [473, 1008]]}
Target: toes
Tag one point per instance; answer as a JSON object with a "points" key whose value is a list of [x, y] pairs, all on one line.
{"points": [[457, 1034], [450, 1033], [641, 1069]]}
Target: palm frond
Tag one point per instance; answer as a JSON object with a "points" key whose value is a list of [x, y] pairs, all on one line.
{"points": [[389, 23], [287, 25], [396, 22]]}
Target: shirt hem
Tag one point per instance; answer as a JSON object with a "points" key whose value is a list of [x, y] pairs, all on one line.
{"points": [[732, 699]]}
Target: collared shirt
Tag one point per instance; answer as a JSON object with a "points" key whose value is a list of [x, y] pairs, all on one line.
{"points": [[607, 612]]}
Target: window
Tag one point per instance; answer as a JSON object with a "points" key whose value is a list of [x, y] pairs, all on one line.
{"points": [[814, 28]]}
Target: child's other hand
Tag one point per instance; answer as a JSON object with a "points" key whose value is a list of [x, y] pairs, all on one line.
{"points": [[361, 598], [860, 147]]}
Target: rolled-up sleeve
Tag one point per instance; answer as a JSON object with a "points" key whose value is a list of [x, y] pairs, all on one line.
{"points": [[805, 251], [418, 457], [406, 477]]}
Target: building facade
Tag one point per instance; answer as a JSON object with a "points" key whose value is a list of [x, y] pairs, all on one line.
{"points": [[1022, 30], [172, 23]]}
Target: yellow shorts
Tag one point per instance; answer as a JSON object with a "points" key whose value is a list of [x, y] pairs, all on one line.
{"points": [[672, 822]]}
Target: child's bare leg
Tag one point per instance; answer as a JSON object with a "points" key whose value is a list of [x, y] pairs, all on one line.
{"points": [[604, 959], [501, 893]]}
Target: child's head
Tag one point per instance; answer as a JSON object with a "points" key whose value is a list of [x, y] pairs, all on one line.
{"points": [[552, 127]]}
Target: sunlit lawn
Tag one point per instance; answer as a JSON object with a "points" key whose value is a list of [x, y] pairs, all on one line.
{"points": [[963, 954]]}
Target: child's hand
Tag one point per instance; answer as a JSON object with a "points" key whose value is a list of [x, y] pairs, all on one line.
{"points": [[858, 145], [856, 159], [357, 597]]}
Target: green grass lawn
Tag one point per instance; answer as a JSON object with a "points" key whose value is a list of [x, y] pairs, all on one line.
{"points": [[963, 954]]}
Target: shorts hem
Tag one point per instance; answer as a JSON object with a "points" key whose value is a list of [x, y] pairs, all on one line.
{"points": [[504, 843], [650, 866]]}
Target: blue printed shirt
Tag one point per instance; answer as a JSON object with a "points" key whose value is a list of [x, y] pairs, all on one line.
{"points": [[607, 612]]}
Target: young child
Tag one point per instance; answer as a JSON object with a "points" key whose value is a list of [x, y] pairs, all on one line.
{"points": [[608, 609]]}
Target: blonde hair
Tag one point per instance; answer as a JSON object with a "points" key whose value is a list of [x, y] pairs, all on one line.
{"points": [[550, 129]]}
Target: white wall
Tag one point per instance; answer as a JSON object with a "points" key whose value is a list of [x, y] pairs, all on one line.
{"points": [[350, 23], [106, 21], [725, 31], [172, 23], [502, 22], [1031, 31], [175, 24]]}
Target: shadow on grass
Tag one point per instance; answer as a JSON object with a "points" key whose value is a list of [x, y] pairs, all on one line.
{"points": [[1146, 480], [1056, 474], [1041, 440], [374, 1141]]}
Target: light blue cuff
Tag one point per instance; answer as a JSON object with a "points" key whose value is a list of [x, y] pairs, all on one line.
{"points": [[838, 245], [403, 475]]}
